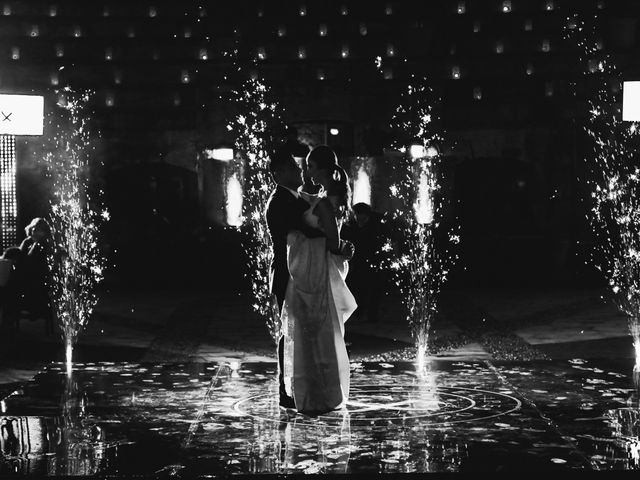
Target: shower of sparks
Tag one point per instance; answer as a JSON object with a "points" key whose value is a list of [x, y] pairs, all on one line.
{"points": [[614, 177], [420, 267], [258, 128], [77, 215]]}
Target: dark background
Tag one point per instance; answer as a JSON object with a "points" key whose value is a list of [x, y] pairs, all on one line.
{"points": [[162, 74]]}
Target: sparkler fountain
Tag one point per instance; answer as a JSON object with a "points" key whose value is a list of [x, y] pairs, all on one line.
{"points": [[419, 268], [614, 179], [75, 261], [258, 127]]}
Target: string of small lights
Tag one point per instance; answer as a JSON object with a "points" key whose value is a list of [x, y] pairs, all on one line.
{"points": [[258, 127], [77, 216], [8, 203], [419, 266]]}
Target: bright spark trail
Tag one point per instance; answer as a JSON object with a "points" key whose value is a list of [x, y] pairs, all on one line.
{"points": [[76, 261], [258, 127], [614, 176], [420, 267]]}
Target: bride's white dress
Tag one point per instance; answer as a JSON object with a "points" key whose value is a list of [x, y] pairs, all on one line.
{"points": [[316, 306]]}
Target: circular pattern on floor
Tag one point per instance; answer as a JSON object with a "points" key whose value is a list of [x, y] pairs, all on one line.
{"points": [[398, 404]]}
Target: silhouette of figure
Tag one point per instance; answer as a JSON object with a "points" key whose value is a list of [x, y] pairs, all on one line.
{"points": [[284, 212], [35, 295], [317, 300], [365, 231], [10, 285]]}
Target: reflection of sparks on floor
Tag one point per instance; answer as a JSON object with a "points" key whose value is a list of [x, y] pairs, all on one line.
{"points": [[222, 370], [425, 392], [634, 328], [396, 410], [633, 447], [224, 418], [395, 403], [626, 424]]}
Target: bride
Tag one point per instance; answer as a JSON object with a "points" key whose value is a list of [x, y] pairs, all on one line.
{"points": [[317, 302]]}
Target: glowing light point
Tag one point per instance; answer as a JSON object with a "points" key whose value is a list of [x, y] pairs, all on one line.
{"points": [[68, 358], [234, 366], [421, 357], [417, 151], [222, 154]]}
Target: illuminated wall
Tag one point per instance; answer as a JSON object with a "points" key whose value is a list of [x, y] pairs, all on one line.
{"points": [[234, 200], [362, 171], [221, 178], [424, 202]]}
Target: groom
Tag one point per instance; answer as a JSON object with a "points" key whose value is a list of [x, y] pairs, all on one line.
{"points": [[285, 210]]}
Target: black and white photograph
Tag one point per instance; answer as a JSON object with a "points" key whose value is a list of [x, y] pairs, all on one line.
{"points": [[381, 239]]}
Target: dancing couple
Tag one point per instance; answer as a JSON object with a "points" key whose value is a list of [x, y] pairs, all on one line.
{"points": [[308, 272]]}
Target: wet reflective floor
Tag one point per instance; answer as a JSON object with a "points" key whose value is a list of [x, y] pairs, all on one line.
{"points": [[216, 419]]}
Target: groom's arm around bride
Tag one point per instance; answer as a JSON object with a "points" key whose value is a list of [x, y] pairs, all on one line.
{"points": [[285, 213]]}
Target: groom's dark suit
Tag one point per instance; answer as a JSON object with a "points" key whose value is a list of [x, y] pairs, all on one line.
{"points": [[284, 214]]}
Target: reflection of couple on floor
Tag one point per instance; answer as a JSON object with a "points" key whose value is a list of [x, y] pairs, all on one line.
{"points": [[297, 445], [309, 267]]}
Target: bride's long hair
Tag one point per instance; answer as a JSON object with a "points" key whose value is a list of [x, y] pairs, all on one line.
{"points": [[338, 187]]}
